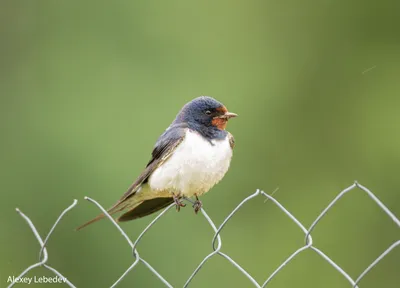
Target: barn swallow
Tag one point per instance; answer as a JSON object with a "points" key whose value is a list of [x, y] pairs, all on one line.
{"points": [[190, 157]]}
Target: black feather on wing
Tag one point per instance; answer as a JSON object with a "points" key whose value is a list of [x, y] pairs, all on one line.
{"points": [[146, 208], [165, 146], [231, 140]]}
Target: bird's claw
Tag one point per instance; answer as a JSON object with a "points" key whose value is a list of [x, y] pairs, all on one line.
{"points": [[197, 206], [178, 203]]}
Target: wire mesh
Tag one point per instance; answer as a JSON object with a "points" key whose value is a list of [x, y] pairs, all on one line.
{"points": [[216, 241]]}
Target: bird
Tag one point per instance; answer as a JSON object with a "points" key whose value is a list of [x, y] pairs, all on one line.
{"points": [[189, 158]]}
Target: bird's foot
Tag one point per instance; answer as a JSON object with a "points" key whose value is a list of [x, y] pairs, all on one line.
{"points": [[197, 205], [178, 203]]}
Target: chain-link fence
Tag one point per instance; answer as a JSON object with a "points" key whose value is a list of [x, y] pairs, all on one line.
{"points": [[216, 241]]}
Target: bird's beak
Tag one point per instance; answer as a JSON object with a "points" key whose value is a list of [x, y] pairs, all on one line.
{"points": [[228, 115]]}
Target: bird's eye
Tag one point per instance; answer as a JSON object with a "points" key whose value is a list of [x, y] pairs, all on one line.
{"points": [[208, 112]]}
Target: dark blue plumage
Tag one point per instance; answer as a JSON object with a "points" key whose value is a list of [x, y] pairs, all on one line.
{"points": [[195, 115]]}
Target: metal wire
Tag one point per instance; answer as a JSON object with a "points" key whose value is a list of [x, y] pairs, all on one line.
{"points": [[43, 250], [216, 243]]}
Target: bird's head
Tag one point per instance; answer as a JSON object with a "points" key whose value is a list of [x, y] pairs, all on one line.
{"points": [[205, 111]]}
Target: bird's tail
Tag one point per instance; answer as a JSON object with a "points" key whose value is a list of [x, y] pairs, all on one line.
{"points": [[128, 201], [117, 207], [145, 208], [97, 218]]}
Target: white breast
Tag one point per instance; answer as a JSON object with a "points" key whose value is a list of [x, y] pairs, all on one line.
{"points": [[195, 166]]}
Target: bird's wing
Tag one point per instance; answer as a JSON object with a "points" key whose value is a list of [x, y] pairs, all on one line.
{"points": [[164, 148], [231, 140], [145, 208]]}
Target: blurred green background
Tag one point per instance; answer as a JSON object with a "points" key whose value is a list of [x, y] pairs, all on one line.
{"points": [[87, 87]]}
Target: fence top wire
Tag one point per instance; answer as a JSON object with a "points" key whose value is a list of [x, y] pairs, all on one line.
{"points": [[216, 241]]}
